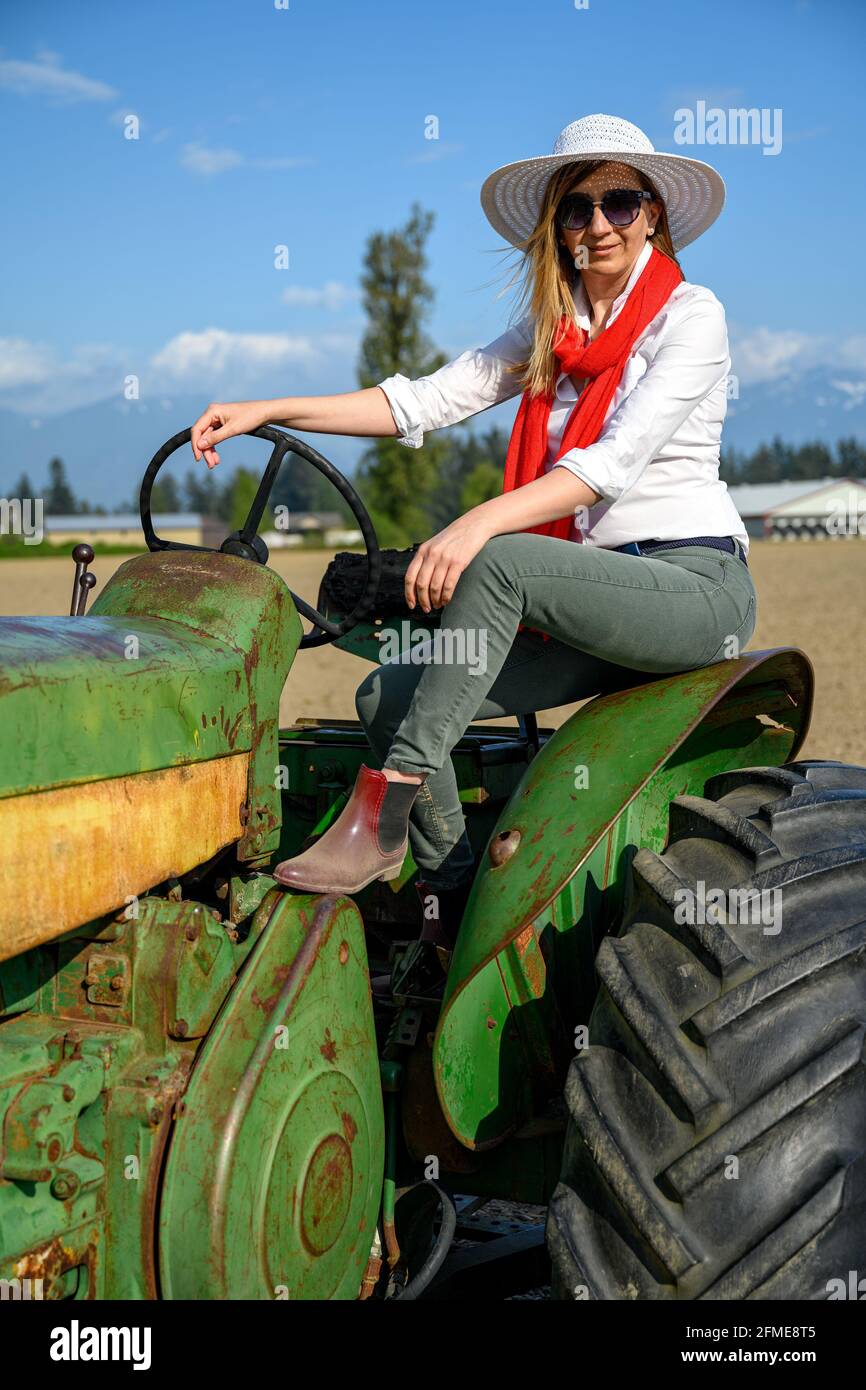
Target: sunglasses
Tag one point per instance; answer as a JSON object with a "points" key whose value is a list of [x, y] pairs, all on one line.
{"points": [[619, 205]]}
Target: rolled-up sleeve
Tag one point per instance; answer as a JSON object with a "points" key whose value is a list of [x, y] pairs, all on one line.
{"points": [[692, 358], [474, 381]]}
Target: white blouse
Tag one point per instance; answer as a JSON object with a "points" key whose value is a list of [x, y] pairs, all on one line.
{"points": [[655, 464]]}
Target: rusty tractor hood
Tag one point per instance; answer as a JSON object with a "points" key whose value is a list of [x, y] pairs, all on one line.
{"points": [[181, 659]]}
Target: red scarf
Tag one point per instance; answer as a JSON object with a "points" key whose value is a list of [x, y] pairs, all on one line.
{"points": [[601, 362]]}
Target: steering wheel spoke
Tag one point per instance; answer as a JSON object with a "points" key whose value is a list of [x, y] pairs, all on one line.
{"points": [[247, 544]]}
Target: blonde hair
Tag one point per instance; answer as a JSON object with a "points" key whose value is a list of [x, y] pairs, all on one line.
{"points": [[547, 271]]}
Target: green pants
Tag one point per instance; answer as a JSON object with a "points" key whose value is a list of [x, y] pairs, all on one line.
{"points": [[614, 621]]}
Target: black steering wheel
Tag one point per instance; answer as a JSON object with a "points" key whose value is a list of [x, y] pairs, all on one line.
{"points": [[248, 545]]}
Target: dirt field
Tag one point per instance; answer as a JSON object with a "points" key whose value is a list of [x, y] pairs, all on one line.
{"points": [[809, 596]]}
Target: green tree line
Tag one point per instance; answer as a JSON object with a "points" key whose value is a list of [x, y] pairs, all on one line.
{"points": [[779, 462]]}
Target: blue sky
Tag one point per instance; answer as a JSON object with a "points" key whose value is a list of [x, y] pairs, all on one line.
{"points": [[305, 125]]}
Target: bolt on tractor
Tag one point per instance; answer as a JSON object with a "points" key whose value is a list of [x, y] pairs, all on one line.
{"points": [[653, 1020]]}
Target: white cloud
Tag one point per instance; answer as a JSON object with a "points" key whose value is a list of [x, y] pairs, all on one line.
{"points": [[23, 363], [47, 77], [854, 391], [852, 352], [201, 160], [216, 352], [331, 295], [36, 380], [766, 354], [204, 160], [233, 366], [786, 356]]}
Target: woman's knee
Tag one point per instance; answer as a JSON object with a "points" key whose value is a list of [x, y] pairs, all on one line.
{"points": [[498, 551], [367, 700], [494, 560]]}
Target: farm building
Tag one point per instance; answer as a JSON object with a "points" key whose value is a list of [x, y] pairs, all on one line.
{"points": [[124, 528], [327, 527], [815, 509]]}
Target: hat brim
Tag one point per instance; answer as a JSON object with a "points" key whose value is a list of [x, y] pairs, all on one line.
{"points": [[693, 192]]}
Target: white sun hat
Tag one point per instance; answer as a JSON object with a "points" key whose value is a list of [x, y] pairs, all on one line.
{"points": [[693, 193]]}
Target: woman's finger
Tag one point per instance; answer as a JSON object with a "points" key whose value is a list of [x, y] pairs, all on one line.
{"points": [[450, 582], [410, 576], [202, 435], [202, 424], [437, 582], [213, 436], [422, 583], [447, 573]]}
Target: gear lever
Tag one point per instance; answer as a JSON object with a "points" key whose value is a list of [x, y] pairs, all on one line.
{"points": [[83, 581]]}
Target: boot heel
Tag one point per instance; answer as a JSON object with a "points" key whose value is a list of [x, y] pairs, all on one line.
{"points": [[390, 873]]}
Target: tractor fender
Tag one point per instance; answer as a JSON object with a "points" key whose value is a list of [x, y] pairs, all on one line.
{"points": [[486, 1059], [273, 1178]]}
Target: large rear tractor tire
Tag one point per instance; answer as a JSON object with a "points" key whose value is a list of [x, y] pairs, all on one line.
{"points": [[716, 1142]]}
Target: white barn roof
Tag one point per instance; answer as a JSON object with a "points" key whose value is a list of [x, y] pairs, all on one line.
{"points": [[801, 497]]}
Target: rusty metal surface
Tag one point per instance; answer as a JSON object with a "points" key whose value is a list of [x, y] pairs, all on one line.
{"points": [[74, 854], [66, 1267], [274, 1172]]}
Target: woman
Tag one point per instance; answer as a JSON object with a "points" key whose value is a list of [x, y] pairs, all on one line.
{"points": [[623, 367]]}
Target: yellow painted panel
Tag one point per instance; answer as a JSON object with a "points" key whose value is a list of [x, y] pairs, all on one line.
{"points": [[74, 853]]}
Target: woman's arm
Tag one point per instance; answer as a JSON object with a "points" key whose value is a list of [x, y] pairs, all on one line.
{"points": [[364, 412], [476, 380], [557, 494]]}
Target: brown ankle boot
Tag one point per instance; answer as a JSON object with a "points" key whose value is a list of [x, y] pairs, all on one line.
{"points": [[367, 840]]}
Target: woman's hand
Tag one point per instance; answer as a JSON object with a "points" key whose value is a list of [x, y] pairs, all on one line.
{"points": [[438, 564], [221, 422]]}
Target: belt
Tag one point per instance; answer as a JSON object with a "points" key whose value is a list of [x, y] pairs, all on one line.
{"points": [[726, 543]]}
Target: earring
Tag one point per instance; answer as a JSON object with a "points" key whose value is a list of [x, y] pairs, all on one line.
{"points": [[651, 231]]}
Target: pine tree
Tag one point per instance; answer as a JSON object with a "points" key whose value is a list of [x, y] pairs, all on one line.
{"points": [[201, 494], [23, 488], [302, 488], [851, 459], [399, 485], [165, 496], [58, 495], [237, 498]]}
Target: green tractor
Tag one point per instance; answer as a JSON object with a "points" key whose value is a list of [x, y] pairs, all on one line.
{"points": [[653, 1023]]}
